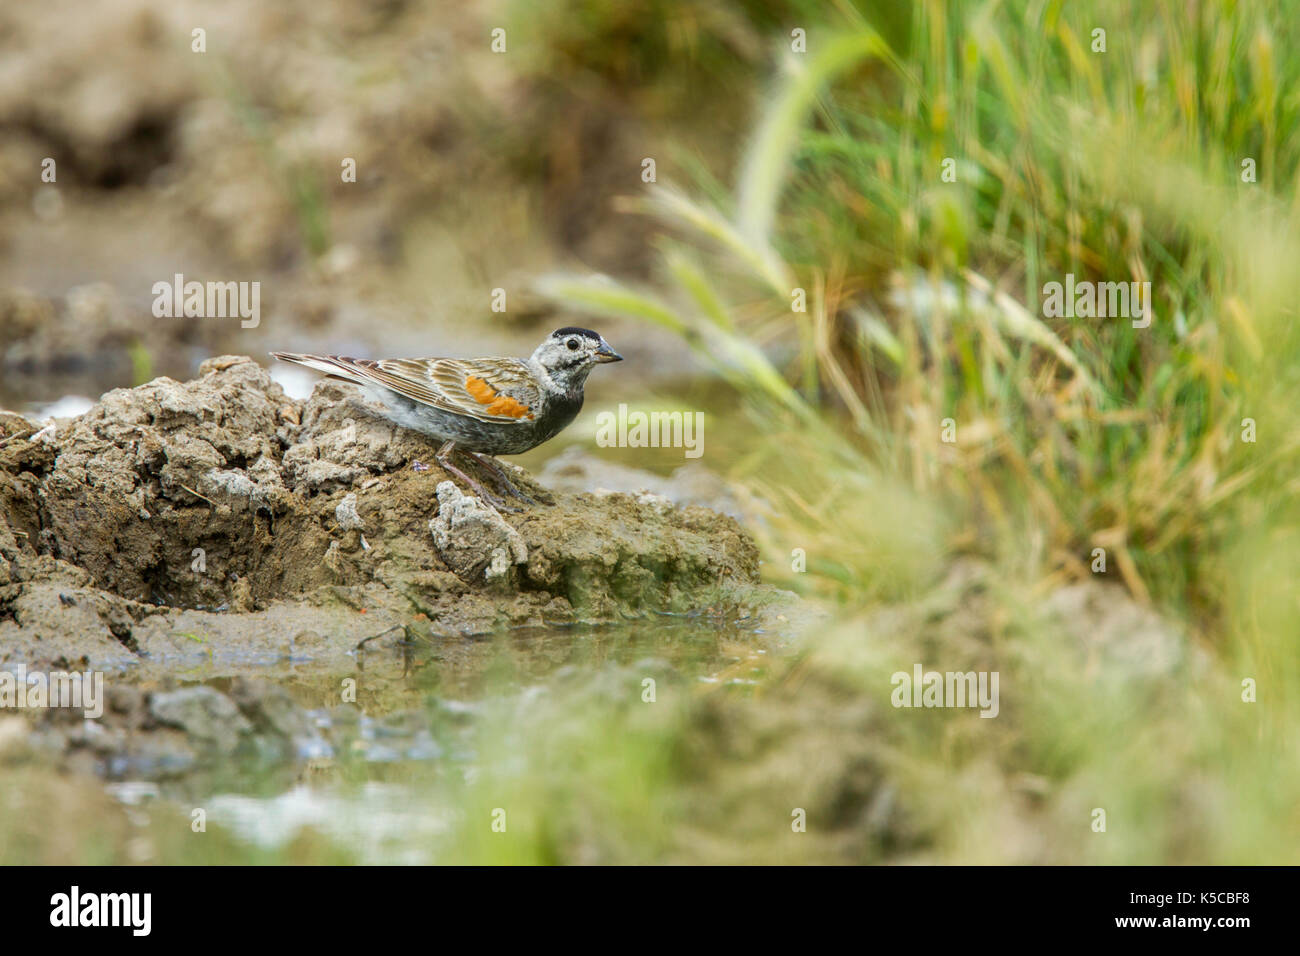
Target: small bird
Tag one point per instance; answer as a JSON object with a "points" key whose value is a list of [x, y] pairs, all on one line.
{"points": [[480, 406]]}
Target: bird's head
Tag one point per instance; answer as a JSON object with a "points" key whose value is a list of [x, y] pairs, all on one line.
{"points": [[568, 355]]}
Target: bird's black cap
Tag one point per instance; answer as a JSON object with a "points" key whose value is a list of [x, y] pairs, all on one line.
{"points": [[574, 330]]}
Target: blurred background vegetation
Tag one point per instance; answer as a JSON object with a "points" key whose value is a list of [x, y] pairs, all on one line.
{"points": [[821, 170]]}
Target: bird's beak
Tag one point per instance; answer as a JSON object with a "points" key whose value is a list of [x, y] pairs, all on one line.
{"points": [[607, 354]]}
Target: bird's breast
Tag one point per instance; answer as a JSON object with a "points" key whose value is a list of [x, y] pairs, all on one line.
{"points": [[559, 414]]}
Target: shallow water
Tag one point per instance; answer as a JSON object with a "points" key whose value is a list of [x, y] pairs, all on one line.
{"points": [[396, 788]]}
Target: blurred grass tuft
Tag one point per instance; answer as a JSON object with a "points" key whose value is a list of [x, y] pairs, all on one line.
{"points": [[923, 304]]}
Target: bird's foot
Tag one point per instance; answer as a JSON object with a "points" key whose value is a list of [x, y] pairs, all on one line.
{"points": [[488, 498]]}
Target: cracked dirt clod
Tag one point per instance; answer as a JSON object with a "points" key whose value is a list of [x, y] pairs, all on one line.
{"points": [[183, 518], [474, 539]]}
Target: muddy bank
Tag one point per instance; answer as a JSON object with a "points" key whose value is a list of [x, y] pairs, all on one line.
{"points": [[184, 520], [90, 339]]}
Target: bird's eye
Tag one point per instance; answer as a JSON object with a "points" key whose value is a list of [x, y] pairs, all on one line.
{"points": [[572, 343]]}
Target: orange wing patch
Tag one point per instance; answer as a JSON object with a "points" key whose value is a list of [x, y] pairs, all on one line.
{"points": [[504, 405]]}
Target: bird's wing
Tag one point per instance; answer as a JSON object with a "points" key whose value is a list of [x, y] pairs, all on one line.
{"points": [[489, 389]]}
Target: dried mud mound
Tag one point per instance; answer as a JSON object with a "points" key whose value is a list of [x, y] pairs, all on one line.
{"points": [[221, 497]]}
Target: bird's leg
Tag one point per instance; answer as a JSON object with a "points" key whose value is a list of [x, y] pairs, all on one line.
{"points": [[444, 459], [503, 480]]}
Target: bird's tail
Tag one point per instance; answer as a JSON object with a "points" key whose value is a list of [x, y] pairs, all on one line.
{"points": [[336, 366]]}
